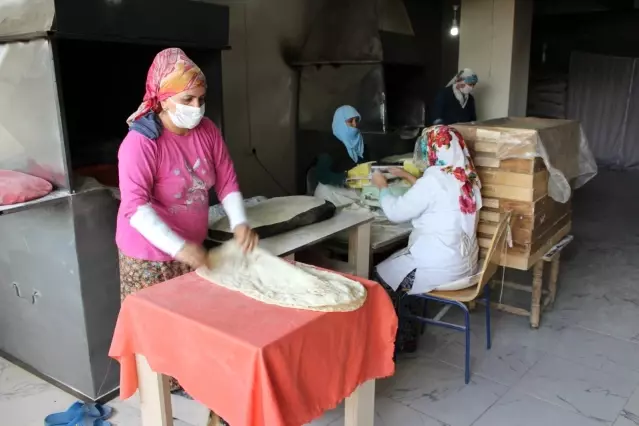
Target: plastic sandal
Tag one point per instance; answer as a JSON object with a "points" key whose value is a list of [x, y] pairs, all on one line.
{"points": [[104, 410], [76, 414], [100, 422]]}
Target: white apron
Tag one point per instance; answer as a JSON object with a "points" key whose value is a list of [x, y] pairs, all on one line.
{"points": [[444, 271], [438, 250]]}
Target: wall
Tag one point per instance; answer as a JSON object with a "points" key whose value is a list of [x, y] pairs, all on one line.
{"points": [[426, 19], [486, 48], [449, 44], [494, 42], [259, 91], [520, 68], [608, 33], [565, 7]]}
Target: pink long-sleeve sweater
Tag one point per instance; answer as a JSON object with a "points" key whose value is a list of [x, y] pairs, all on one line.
{"points": [[173, 174]]}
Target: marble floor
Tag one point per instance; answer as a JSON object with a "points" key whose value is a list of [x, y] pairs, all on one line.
{"points": [[581, 368]]}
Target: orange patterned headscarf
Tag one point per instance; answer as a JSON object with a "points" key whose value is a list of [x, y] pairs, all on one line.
{"points": [[171, 72]]}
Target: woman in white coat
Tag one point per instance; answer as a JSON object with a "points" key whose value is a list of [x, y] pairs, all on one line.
{"points": [[442, 206]]}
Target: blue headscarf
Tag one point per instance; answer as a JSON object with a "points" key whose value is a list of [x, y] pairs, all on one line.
{"points": [[351, 137]]}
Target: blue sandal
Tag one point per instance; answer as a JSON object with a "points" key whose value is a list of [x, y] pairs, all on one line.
{"points": [[78, 412]]}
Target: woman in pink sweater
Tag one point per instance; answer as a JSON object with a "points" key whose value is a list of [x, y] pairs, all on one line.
{"points": [[168, 162]]}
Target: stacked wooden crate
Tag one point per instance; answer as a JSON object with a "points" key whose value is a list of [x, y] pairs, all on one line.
{"points": [[519, 185]]}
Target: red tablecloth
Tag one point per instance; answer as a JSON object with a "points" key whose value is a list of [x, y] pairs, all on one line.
{"points": [[253, 364]]}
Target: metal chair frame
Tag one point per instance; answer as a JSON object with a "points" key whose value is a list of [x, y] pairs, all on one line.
{"points": [[459, 298]]}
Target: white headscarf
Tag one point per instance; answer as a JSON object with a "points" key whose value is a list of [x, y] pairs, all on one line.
{"points": [[467, 76]]}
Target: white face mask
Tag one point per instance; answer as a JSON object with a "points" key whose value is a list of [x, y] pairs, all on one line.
{"points": [[186, 116], [466, 90]]}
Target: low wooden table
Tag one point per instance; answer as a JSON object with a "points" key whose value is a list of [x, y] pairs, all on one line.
{"points": [[386, 236], [383, 239], [537, 290]]}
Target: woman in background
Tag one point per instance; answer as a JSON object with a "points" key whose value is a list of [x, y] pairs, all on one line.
{"points": [[455, 102], [345, 128], [169, 160], [442, 206]]}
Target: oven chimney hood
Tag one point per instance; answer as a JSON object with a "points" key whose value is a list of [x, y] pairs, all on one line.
{"points": [[362, 53], [360, 31]]}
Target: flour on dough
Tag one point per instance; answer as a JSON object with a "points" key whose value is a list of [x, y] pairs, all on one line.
{"points": [[272, 211], [269, 279]]}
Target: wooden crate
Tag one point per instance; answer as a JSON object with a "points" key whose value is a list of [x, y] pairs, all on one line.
{"points": [[538, 208], [524, 256], [514, 179], [512, 144], [524, 262], [517, 180], [525, 228], [485, 233], [490, 176], [513, 165], [514, 192], [518, 137]]}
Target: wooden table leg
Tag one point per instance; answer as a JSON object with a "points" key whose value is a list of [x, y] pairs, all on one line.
{"points": [[552, 285], [155, 398], [359, 249], [214, 420], [535, 305], [360, 406]]}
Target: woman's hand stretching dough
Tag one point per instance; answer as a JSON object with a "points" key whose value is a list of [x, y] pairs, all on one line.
{"points": [[245, 237], [193, 255]]}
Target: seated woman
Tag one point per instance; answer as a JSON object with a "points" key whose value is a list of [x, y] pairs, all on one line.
{"points": [[455, 103], [330, 171], [442, 206]]}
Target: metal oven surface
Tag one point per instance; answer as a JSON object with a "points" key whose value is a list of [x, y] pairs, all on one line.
{"points": [[194, 23]]}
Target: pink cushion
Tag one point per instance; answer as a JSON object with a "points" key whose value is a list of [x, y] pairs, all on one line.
{"points": [[16, 187]]}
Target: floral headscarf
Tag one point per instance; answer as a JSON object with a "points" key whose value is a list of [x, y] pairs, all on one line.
{"points": [[171, 72], [443, 148]]}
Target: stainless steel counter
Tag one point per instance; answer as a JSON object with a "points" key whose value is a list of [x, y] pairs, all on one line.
{"points": [[54, 196]]}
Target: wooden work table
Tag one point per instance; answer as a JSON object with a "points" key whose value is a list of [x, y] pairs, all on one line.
{"points": [[356, 223], [384, 236]]}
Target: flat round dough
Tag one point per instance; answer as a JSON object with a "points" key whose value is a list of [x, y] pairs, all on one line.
{"points": [[272, 211], [269, 279]]}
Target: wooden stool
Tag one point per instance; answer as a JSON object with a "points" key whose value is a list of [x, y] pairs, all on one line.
{"points": [[537, 290]]}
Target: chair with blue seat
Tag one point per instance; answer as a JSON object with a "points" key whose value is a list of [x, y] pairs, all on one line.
{"points": [[461, 297]]}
